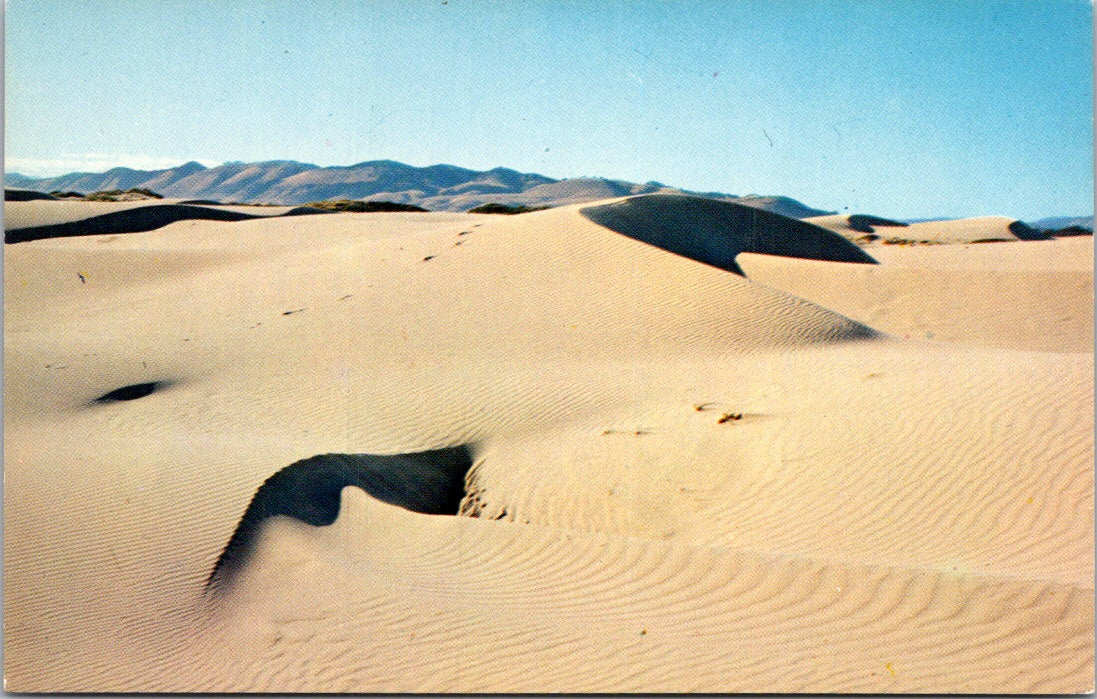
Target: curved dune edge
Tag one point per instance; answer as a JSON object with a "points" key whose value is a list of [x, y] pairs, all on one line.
{"points": [[714, 232], [862, 228], [431, 482], [857, 227], [133, 220], [12, 194], [973, 230], [1031, 296], [698, 457]]}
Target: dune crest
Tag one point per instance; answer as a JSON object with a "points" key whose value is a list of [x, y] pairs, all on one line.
{"points": [[714, 232], [432, 482]]}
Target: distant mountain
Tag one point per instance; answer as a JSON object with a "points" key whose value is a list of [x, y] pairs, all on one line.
{"points": [[438, 187], [1060, 222]]}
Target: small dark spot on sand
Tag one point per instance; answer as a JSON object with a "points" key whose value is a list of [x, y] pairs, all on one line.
{"points": [[428, 257], [464, 232], [133, 392], [344, 298], [287, 313], [728, 417]]}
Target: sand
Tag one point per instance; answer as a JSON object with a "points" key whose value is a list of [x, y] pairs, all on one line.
{"points": [[683, 478], [868, 230]]}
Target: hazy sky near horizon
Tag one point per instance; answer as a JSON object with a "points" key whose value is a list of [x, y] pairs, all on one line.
{"points": [[897, 108]]}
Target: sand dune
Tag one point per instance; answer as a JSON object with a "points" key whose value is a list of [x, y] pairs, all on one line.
{"points": [[431, 482], [714, 232], [56, 219], [681, 479], [972, 230], [869, 229], [858, 227], [26, 195], [975, 294]]}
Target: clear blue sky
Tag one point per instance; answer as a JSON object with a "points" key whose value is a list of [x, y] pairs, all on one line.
{"points": [[892, 107]]}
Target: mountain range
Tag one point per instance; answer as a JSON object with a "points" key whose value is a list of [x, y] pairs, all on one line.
{"points": [[437, 187]]}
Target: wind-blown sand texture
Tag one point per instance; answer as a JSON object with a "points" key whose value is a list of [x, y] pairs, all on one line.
{"points": [[678, 478]]}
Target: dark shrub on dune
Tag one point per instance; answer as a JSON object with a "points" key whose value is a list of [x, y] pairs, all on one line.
{"points": [[58, 194], [358, 206], [122, 195], [507, 209]]}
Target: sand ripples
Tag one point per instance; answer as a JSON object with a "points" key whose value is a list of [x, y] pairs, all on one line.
{"points": [[699, 483]]}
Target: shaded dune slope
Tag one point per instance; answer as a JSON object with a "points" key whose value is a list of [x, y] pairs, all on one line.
{"points": [[135, 220], [864, 223], [431, 482], [26, 195], [850, 225], [714, 232], [1023, 231]]}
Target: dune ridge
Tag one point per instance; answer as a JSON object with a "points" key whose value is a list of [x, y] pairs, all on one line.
{"points": [[136, 219], [981, 294], [431, 482], [715, 232]]}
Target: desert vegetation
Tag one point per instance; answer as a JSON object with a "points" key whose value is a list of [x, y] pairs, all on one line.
{"points": [[509, 209], [358, 206], [122, 195]]}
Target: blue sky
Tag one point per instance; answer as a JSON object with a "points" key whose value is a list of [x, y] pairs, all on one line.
{"points": [[891, 107]]}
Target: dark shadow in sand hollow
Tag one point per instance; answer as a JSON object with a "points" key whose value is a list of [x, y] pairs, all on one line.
{"points": [[714, 232], [431, 482], [132, 392]]}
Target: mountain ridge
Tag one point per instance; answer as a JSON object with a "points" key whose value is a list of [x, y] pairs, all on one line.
{"points": [[439, 187]]}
